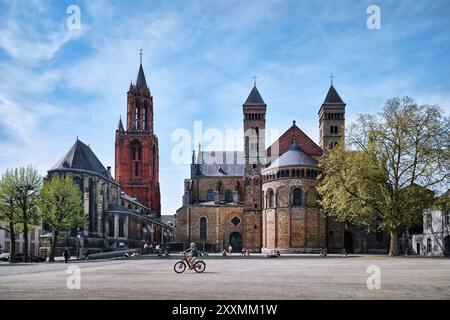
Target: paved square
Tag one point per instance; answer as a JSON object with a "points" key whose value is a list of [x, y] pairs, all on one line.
{"points": [[306, 277]]}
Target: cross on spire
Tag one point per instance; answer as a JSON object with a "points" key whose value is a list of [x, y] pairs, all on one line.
{"points": [[140, 55], [331, 77], [254, 79]]}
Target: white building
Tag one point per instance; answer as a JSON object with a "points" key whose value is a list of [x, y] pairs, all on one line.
{"points": [[435, 240], [5, 243]]}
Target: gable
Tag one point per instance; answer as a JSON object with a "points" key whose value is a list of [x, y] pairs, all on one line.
{"points": [[306, 144]]}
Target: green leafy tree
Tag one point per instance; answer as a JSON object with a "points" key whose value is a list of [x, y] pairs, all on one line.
{"points": [[8, 210], [26, 184], [61, 207], [392, 161]]}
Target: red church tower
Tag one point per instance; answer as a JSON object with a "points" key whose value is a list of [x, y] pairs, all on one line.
{"points": [[137, 160]]}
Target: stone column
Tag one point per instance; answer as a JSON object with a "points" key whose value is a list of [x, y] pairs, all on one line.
{"points": [[100, 229], [116, 225], [125, 227]]}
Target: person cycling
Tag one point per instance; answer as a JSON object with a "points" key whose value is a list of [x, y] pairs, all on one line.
{"points": [[193, 254]]}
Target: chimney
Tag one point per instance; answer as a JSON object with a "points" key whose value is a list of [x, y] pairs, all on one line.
{"points": [[109, 171]]}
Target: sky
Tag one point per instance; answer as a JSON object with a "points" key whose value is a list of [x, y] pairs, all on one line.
{"points": [[58, 81]]}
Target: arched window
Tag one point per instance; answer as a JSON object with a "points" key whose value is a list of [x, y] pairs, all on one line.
{"points": [[111, 227], [228, 196], [297, 197], [144, 116], [136, 116], [211, 195], [429, 245], [136, 157], [271, 198], [203, 228], [121, 228]]}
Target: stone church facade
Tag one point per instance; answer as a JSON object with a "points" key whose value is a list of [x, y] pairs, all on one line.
{"points": [[263, 199]]}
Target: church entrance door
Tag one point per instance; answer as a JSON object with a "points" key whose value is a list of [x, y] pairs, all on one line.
{"points": [[348, 242], [236, 241], [447, 246]]}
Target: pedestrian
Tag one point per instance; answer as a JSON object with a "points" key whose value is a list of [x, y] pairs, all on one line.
{"points": [[66, 254], [224, 253], [230, 249], [145, 248], [151, 248]]}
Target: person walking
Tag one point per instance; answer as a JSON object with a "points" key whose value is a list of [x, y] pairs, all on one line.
{"points": [[230, 249], [66, 254]]}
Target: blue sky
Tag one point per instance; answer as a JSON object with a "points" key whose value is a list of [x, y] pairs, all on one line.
{"points": [[199, 56]]}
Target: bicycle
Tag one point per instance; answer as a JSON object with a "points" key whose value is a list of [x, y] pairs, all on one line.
{"points": [[180, 266]]}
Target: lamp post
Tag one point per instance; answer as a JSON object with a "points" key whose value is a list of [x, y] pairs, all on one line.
{"points": [[78, 243]]}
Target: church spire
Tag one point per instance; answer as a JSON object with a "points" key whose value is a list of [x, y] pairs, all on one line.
{"points": [[120, 125], [141, 82]]}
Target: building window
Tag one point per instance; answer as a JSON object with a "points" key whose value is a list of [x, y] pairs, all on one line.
{"points": [[203, 228], [272, 199], [235, 221], [136, 116], [228, 196], [211, 195], [297, 197], [144, 116], [136, 156], [428, 245], [121, 228], [447, 218], [334, 129], [111, 227]]}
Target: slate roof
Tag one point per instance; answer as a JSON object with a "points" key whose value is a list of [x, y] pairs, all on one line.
{"points": [[141, 82], [254, 97], [306, 144], [293, 157], [222, 163], [81, 157], [333, 96], [120, 125]]}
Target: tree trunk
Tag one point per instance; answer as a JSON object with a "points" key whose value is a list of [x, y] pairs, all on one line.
{"points": [[25, 243], [12, 237], [393, 250], [53, 247]]}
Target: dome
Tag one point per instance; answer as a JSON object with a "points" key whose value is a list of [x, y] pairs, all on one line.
{"points": [[293, 157]]}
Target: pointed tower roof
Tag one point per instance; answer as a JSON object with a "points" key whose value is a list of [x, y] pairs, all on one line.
{"points": [[332, 96], [120, 125], [141, 82], [254, 97], [81, 157]]}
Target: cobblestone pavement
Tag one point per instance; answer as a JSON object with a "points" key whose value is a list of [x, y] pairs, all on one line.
{"points": [[276, 278]]}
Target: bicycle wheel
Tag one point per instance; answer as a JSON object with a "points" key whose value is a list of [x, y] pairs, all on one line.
{"points": [[179, 267], [199, 266]]}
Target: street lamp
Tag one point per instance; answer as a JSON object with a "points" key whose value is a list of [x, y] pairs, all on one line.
{"points": [[78, 242]]}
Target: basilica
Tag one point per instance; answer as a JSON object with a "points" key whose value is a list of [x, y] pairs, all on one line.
{"points": [[263, 199]]}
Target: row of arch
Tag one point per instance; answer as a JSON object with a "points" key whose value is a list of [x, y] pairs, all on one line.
{"points": [[254, 116], [297, 197], [140, 123], [294, 173], [136, 158]]}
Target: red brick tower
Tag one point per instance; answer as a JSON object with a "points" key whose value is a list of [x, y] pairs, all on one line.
{"points": [[137, 160]]}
